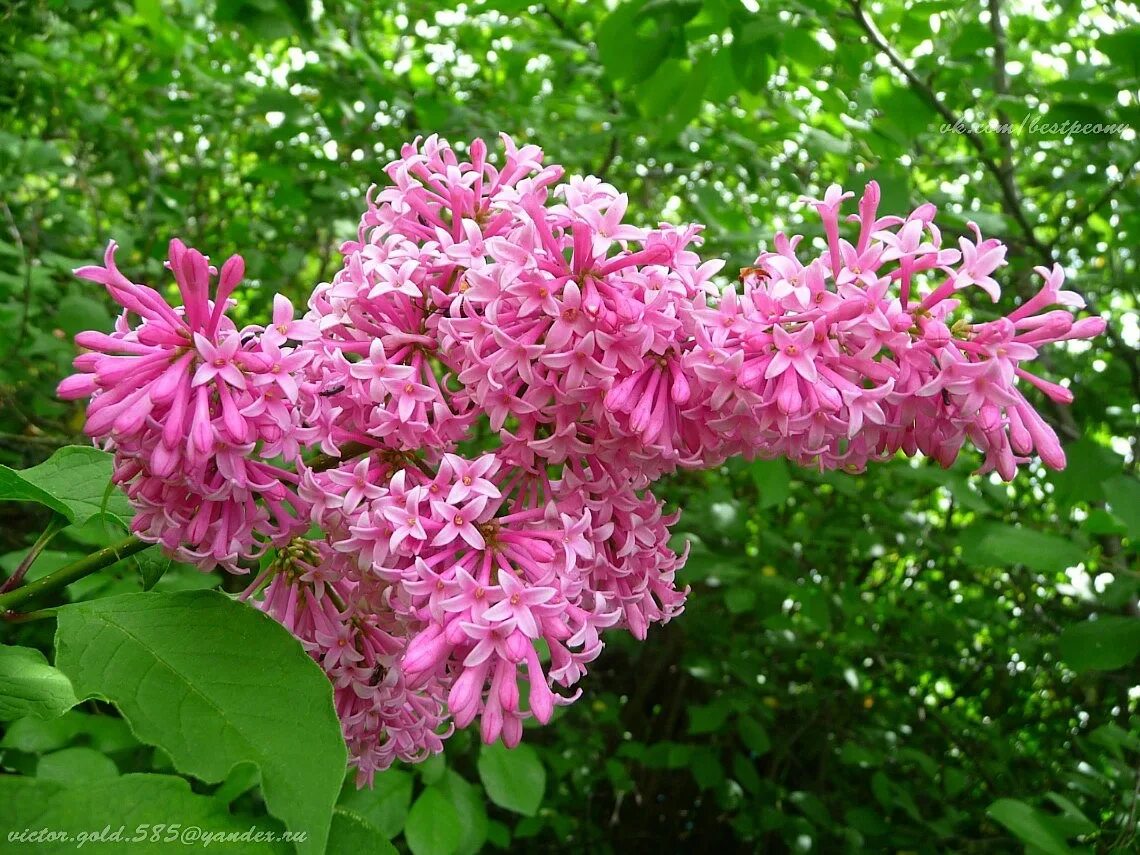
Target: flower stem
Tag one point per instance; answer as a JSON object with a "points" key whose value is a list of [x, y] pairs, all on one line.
{"points": [[64, 576]]}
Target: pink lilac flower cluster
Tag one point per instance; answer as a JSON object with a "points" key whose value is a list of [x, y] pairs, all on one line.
{"points": [[194, 410], [849, 358], [320, 596], [497, 374]]}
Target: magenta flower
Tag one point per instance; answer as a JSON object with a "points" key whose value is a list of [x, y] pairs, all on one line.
{"points": [[517, 603], [218, 361], [793, 350], [979, 260], [459, 522], [285, 326], [382, 376], [357, 485]]}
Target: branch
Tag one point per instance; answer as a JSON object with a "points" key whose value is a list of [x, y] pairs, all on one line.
{"points": [[571, 34], [109, 555], [26, 256], [64, 576], [1010, 198], [1011, 201], [1001, 87], [1079, 219]]}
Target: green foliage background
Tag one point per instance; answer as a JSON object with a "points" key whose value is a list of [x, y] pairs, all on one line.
{"points": [[913, 660]]}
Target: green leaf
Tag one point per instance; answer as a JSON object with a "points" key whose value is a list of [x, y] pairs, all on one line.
{"points": [[77, 765], [433, 825], [29, 686], [214, 683], [242, 778], [773, 480], [1028, 825], [1122, 47], [706, 768], [432, 769], [753, 51], [753, 735], [1104, 644], [76, 313], [637, 37], [739, 600], [707, 718], [73, 481], [999, 545], [468, 803], [143, 804], [36, 736], [386, 804], [1089, 465], [351, 832], [266, 19], [152, 565], [1074, 817], [1123, 494], [513, 777], [687, 102], [901, 109]]}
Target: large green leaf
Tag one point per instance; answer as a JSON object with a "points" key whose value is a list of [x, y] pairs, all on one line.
{"points": [[351, 832], [513, 777], [1101, 645], [74, 482], [77, 765], [753, 51], [1028, 825], [384, 805], [214, 683], [35, 736], [1001, 545], [638, 36], [753, 734], [469, 804], [772, 479], [155, 812], [29, 686], [433, 825]]}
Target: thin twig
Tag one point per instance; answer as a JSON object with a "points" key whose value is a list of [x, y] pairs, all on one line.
{"points": [[53, 528], [1010, 197], [26, 255]]}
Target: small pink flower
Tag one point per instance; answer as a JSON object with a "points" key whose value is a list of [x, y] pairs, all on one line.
{"points": [[218, 361], [793, 350]]}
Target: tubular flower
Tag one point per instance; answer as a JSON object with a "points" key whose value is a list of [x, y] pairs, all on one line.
{"points": [[193, 409]]}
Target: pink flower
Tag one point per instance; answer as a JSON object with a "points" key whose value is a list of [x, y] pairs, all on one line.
{"points": [[793, 350], [284, 325], [357, 484], [600, 355], [517, 603], [381, 375], [979, 260], [459, 522]]}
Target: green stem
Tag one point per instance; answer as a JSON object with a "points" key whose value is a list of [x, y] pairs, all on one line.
{"points": [[107, 556], [64, 576], [53, 528]]}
